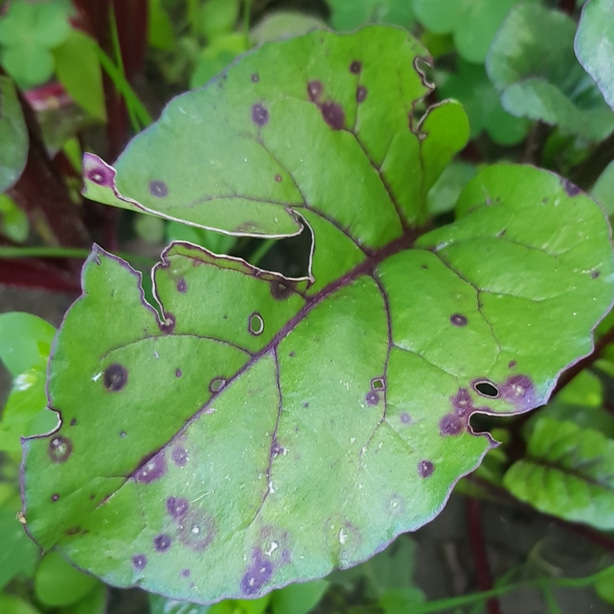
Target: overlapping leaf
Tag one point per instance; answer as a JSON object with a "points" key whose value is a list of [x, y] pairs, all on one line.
{"points": [[262, 430]]}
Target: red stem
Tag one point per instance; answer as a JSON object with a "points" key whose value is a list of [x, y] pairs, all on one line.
{"points": [[480, 559]]}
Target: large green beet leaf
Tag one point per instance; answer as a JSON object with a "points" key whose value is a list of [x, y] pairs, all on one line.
{"points": [[261, 430]]}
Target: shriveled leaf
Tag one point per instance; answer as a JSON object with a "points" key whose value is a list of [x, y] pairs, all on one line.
{"points": [[594, 44], [13, 136], [539, 77], [265, 430], [568, 473]]}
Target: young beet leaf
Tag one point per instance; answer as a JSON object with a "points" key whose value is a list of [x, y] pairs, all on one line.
{"points": [[267, 430]]}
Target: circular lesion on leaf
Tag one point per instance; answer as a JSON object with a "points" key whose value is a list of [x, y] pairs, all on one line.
{"points": [[115, 377], [60, 449], [256, 324], [216, 384]]}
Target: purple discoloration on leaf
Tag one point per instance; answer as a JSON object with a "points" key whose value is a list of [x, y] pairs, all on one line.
{"points": [[152, 470], [333, 114], [115, 377], [196, 529], [162, 542], [139, 561], [55, 497], [405, 418], [458, 319], [462, 402], [257, 574], [570, 188], [256, 324], [179, 456], [511, 364], [60, 449], [185, 573], [278, 178], [177, 507], [425, 468], [361, 93], [519, 390], [158, 189], [372, 397], [314, 90], [168, 326], [451, 424], [355, 67], [182, 286], [101, 175], [260, 116], [178, 372]]}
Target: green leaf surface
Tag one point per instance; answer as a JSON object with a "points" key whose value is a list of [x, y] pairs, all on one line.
{"points": [[605, 586], [14, 222], [160, 28], [9, 604], [78, 69], [283, 24], [18, 553], [539, 77], [264, 430], [443, 195], [13, 135], [594, 45], [603, 190], [218, 17], [350, 15], [568, 473], [298, 598]]}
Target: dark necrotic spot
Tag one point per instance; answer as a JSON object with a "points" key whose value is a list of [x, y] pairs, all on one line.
{"points": [[333, 115], [122, 434], [257, 574], [355, 67], [162, 542], [185, 573], [425, 468], [256, 324], [511, 364], [278, 178], [73, 422], [101, 176], [216, 384], [595, 274], [178, 372], [458, 319], [177, 506], [60, 448], [54, 497], [570, 188], [314, 90], [486, 388], [361, 93], [372, 397], [115, 377], [139, 561], [260, 116], [281, 290], [158, 189], [305, 404], [152, 470], [405, 418], [197, 529], [255, 78], [450, 424], [72, 530], [179, 456], [182, 286], [292, 354], [277, 449]]}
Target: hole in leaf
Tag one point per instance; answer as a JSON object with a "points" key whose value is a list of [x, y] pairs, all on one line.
{"points": [[216, 384], [486, 388], [256, 324], [378, 383]]}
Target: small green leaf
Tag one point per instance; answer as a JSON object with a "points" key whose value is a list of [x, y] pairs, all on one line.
{"points": [[18, 553], [14, 222], [568, 473], [605, 586], [160, 28], [58, 583], [298, 598], [14, 137], [9, 604], [78, 69], [350, 15], [443, 195], [539, 77], [217, 56], [603, 190], [218, 17], [401, 600], [284, 24], [594, 44]]}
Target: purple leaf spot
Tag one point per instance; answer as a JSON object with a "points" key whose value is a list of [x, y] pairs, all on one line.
{"points": [[260, 116], [122, 434], [425, 468], [361, 93], [178, 372], [216, 384], [168, 326], [355, 67], [101, 175], [450, 424], [511, 364], [372, 397], [182, 286], [73, 422], [152, 470], [60, 448], [276, 449], [197, 529], [278, 178], [333, 115], [519, 390], [139, 561], [569, 187], [458, 319], [486, 388], [305, 404], [54, 497], [314, 90], [179, 456], [177, 506], [158, 189], [256, 324], [281, 290], [257, 574], [115, 377], [255, 78], [462, 402], [162, 542], [185, 573], [405, 418]]}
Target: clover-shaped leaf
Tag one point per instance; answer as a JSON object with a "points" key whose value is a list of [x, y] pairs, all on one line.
{"points": [[253, 430], [539, 77]]}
